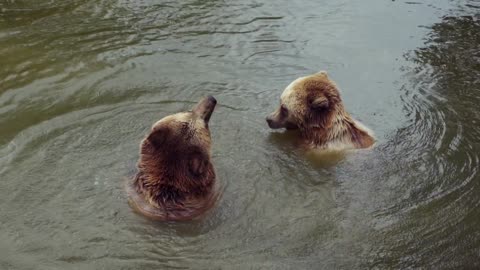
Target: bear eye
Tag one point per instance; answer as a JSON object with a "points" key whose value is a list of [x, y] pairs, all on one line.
{"points": [[283, 110]]}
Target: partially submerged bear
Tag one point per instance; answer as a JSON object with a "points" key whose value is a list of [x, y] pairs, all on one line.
{"points": [[175, 178], [312, 104]]}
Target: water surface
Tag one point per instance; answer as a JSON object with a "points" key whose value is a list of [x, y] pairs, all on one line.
{"points": [[81, 82]]}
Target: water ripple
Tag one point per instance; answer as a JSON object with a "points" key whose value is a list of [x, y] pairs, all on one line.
{"points": [[82, 81]]}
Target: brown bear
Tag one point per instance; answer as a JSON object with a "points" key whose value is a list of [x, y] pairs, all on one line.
{"points": [[312, 104], [175, 178]]}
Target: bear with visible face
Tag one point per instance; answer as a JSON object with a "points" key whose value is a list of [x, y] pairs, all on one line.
{"points": [[312, 104], [175, 178]]}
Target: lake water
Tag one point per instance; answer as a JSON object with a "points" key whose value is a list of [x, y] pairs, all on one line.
{"points": [[82, 81]]}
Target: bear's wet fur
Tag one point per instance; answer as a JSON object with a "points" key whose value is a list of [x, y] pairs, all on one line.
{"points": [[175, 178], [313, 105]]}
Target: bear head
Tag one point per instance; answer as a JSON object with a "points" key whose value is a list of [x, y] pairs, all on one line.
{"points": [[308, 102], [175, 156]]}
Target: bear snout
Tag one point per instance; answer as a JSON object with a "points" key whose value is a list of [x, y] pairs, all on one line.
{"points": [[212, 100], [269, 122], [205, 107], [272, 123]]}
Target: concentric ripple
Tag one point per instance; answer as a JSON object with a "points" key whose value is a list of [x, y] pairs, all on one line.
{"points": [[437, 153]]}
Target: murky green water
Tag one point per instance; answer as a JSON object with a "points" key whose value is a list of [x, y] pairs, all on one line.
{"points": [[81, 81]]}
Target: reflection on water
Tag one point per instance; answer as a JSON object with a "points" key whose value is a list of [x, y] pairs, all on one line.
{"points": [[82, 81], [289, 145]]}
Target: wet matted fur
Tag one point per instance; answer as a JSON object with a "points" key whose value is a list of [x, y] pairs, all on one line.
{"points": [[175, 178]]}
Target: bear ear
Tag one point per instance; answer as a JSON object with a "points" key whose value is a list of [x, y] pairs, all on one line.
{"points": [[198, 164], [158, 137], [319, 103], [322, 73]]}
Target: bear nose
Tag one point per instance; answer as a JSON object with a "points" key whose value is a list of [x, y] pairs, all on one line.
{"points": [[212, 99], [204, 108], [269, 121]]}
